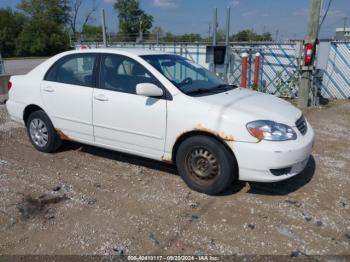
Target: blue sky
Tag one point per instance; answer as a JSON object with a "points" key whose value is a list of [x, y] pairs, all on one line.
{"points": [[289, 17]]}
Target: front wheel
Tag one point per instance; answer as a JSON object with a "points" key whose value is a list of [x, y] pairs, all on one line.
{"points": [[206, 165], [41, 132]]}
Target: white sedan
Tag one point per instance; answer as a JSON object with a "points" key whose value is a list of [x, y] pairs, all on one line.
{"points": [[164, 107]]}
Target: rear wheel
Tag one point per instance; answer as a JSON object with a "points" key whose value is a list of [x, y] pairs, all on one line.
{"points": [[205, 164], [42, 133]]}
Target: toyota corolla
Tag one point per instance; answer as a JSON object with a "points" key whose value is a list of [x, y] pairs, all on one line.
{"points": [[164, 107]]}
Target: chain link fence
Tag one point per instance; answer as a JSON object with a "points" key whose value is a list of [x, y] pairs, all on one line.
{"points": [[279, 64]]}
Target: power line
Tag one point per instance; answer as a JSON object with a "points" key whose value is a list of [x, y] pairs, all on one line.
{"points": [[325, 14]]}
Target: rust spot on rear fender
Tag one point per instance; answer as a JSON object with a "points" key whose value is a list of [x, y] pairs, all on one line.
{"points": [[62, 135]]}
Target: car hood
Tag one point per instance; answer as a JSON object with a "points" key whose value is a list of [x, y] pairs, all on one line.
{"points": [[253, 105]]}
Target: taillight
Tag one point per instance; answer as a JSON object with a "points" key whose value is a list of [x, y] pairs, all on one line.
{"points": [[308, 54], [9, 85]]}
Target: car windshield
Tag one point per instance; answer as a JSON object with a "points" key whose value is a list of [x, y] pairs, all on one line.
{"points": [[187, 76]]}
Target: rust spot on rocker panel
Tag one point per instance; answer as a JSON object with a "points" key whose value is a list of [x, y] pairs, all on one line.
{"points": [[62, 135], [221, 134], [166, 160]]}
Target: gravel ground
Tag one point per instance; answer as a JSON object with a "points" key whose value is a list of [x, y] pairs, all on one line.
{"points": [[84, 200]]}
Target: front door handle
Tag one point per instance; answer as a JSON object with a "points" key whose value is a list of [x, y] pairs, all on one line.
{"points": [[49, 89], [101, 97]]}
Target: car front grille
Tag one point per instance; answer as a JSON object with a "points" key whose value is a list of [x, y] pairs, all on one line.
{"points": [[301, 125]]}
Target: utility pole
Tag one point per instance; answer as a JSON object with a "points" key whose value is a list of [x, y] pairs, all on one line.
{"points": [[345, 20], [227, 41], [228, 21], [141, 33], [209, 32], [311, 37], [215, 27], [104, 27]]}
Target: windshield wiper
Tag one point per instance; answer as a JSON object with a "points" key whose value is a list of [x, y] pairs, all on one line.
{"points": [[210, 90], [224, 87], [199, 91]]}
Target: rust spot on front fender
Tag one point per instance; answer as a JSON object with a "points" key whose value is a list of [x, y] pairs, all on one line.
{"points": [[62, 135], [222, 135]]}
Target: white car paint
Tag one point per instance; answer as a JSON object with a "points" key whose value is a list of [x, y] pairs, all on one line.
{"points": [[69, 107], [150, 127], [135, 127]]}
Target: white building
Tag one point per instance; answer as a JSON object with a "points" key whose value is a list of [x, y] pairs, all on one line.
{"points": [[342, 33]]}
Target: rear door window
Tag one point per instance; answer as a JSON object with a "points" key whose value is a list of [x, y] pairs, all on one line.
{"points": [[74, 70]]}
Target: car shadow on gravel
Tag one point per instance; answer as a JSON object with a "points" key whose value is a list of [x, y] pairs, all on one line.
{"points": [[121, 157], [280, 188], [287, 186]]}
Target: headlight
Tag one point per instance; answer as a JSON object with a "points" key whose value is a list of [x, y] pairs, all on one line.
{"points": [[272, 131]]}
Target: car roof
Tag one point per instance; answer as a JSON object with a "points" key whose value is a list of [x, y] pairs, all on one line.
{"points": [[123, 51]]}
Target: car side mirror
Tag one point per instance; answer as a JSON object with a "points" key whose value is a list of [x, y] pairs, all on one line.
{"points": [[149, 90]]}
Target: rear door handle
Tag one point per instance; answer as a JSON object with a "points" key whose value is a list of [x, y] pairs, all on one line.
{"points": [[49, 89], [101, 97]]}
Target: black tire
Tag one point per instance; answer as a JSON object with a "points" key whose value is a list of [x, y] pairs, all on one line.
{"points": [[53, 141], [196, 156]]}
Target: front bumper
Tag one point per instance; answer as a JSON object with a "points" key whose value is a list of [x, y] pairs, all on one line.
{"points": [[256, 160]]}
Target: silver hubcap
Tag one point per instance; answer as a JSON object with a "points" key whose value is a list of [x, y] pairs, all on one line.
{"points": [[202, 164], [38, 132]]}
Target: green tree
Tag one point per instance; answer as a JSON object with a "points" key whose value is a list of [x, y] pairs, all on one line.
{"points": [[168, 37], [92, 33], [185, 38], [220, 36], [266, 37], [75, 9], [157, 30], [249, 35], [11, 24], [53, 10], [156, 34], [191, 37], [45, 32], [244, 36], [131, 19]]}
